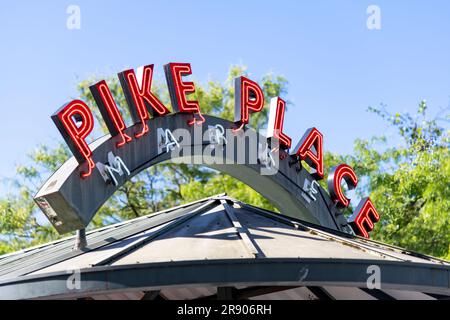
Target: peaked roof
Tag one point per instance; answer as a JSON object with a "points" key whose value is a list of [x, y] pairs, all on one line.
{"points": [[223, 236]]}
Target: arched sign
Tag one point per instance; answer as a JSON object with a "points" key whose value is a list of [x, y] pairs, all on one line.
{"points": [[74, 193]]}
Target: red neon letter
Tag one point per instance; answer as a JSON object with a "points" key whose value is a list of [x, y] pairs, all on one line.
{"points": [[75, 122], [311, 139], [139, 97], [276, 120], [248, 98], [335, 177], [110, 112], [179, 90], [363, 218]]}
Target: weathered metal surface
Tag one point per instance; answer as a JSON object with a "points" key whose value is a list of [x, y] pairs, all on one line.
{"points": [[53, 254], [199, 245], [273, 271], [70, 202]]}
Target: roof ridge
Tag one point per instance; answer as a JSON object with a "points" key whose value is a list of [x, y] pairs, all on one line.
{"points": [[114, 225]]}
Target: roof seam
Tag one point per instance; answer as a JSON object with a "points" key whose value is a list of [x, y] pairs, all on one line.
{"points": [[27, 250], [101, 240], [242, 231], [173, 224]]}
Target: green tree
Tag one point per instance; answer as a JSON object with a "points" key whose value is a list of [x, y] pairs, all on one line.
{"points": [[157, 188], [409, 183], [19, 225], [417, 183]]}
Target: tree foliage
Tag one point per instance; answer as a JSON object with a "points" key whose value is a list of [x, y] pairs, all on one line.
{"points": [[159, 187], [409, 183]]}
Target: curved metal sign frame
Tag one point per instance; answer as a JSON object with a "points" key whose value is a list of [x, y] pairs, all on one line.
{"points": [[71, 202]]}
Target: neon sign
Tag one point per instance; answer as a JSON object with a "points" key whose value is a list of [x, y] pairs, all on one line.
{"points": [[110, 113], [140, 99], [75, 122]]}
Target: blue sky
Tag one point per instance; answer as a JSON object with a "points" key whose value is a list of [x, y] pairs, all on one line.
{"points": [[335, 65]]}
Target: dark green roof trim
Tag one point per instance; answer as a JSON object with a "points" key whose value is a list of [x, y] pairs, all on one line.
{"points": [[268, 271]]}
